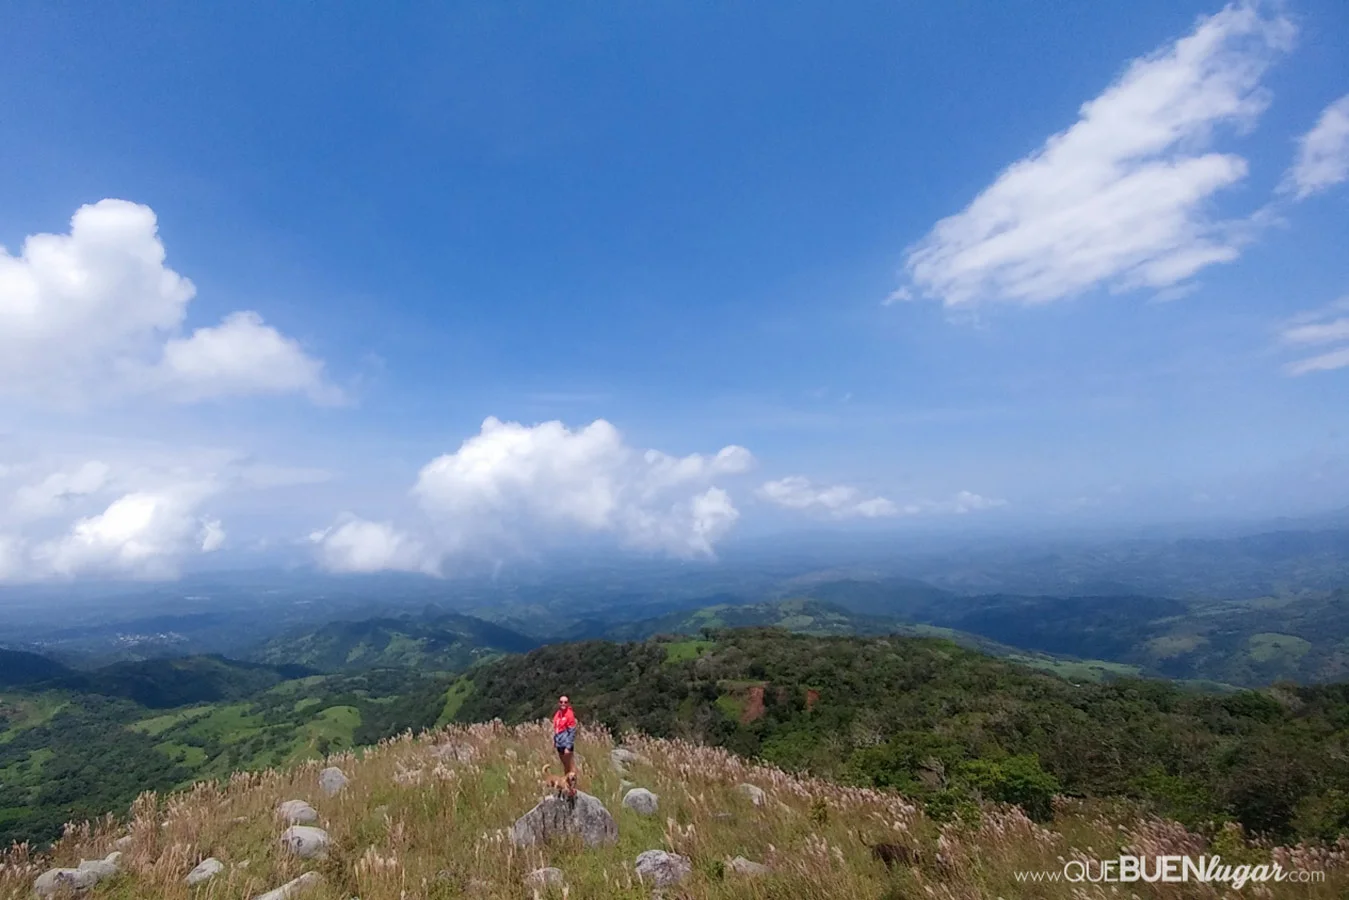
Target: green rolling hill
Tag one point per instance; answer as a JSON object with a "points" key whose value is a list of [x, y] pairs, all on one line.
{"points": [[19, 668], [443, 642]]}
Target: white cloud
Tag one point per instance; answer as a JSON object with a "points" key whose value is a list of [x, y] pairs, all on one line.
{"points": [[1327, 325], [843, 501], [1323, 153], [143, 534], [512, 487], [99, 290], [241, 356], [1319, 333], [97, 310], [211, 536], [840, 501], [1121, 197], [107, 518], [665, 471], [356, 545], [1325, 362], [53, 494], [689, 528], [964, 502], [512, 482]]}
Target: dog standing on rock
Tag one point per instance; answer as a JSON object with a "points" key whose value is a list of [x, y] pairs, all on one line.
{"points": [[558, 784]]}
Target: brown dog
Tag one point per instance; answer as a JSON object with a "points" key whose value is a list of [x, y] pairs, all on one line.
{"points": [[558, 784]]}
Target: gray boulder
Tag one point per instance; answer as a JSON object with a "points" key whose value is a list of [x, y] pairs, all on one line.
{"points": [[296, 812], [305, 841], [332, 780], [53, 881], [755, 794], [641, 801], [663, 869], [584, 816], [103, 868], [547, 877], [81, 878], [622, 756], [742, 866], [292, 889], [205, 871]]}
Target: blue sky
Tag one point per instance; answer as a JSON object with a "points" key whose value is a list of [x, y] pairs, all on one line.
{"points": [[681, 220]]}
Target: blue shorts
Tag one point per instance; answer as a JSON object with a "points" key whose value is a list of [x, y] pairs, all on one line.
{"points": [[565, 740]]}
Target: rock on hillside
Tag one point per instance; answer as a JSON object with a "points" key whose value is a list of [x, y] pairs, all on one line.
{"points": [[663, 869], [332, 780], [59, 881], [305, 841], [641, 801], [585, 817]]}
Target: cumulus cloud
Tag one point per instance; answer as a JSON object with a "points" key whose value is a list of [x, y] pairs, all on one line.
{"points": [[512, 487], [1318, 328], [99, 290], [1121, 198], [688, 528], [141, 534], [840, 501], [512, 481], [1323, 153], [106, 518], [356, 545], [240, 356], [98, 307]]}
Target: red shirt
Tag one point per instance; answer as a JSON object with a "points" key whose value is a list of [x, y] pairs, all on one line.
{"points": [[564, 719]]}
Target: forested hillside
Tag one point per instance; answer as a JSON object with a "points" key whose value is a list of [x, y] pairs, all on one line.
{"points": [[67, 754], [18, 668], [945, 724]]}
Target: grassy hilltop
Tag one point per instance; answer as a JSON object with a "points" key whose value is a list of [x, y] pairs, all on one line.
{"points": [[417, 823]]}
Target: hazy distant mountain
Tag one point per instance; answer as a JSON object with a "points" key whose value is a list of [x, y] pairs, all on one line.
{"points": [[1245, 566], [800, 615], [446, 642], [1303, 637]]}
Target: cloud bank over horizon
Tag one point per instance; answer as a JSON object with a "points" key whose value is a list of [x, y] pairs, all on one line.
{"points": [[513, 488]]}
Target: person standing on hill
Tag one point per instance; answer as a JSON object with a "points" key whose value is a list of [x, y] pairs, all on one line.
{"points": [[564, 739]]}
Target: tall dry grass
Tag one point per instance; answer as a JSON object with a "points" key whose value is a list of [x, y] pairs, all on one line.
{"points": [[429, 818]]}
